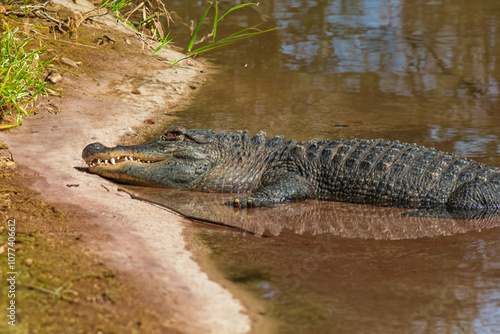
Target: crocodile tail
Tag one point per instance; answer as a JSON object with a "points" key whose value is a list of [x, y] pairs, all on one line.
{"points": [[475, 195]]}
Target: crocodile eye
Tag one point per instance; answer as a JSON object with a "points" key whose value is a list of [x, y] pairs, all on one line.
{"points": [[173, 135]]}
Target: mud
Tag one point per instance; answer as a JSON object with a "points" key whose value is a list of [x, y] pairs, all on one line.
{"points": [[62, 285], [118, 91]]}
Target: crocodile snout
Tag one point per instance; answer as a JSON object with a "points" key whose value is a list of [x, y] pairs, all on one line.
{"points": [[92, 149]]}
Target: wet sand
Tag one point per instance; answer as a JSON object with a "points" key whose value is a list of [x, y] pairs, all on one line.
{"points": [[116, 88]]}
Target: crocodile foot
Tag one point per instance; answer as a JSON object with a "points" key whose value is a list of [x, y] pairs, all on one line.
{"points": [[255, 201]]}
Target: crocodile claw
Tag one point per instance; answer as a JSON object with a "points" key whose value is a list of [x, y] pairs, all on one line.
{"points": [[250, 202]]}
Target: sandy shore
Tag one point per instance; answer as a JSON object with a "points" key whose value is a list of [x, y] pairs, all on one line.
{"points": [[118, 87]]}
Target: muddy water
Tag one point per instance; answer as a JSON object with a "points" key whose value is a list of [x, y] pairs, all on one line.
{"points": [[417, 71], [326, 267]]}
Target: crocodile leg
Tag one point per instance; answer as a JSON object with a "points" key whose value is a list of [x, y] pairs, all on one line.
{"points": [[286, 188]]}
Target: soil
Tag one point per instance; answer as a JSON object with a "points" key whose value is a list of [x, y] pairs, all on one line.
{"points": [[88, 258]]}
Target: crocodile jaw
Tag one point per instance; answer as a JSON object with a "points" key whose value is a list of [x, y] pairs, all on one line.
{"points": [[121, 163], [149, 166]]}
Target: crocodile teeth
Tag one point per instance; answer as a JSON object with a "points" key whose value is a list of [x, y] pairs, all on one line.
{"points": [[116, 160]]}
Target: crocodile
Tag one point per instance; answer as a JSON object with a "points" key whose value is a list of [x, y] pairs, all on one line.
{"points": [[268, 171]]}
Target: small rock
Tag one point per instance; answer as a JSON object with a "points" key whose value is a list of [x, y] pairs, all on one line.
{"points": [[54, 77], [52, 92], [70, 62], [29, 262], [2, 249]]}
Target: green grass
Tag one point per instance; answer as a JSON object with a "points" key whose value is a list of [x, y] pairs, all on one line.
{"points": [[235, 37], [116, 6], [123, 9], [21, 76], [164, 41]]}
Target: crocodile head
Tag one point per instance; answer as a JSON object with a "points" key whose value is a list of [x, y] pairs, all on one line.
{"points": [[177, 159]]}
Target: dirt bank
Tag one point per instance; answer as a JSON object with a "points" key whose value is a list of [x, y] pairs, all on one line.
{"points": [[118, 86]]}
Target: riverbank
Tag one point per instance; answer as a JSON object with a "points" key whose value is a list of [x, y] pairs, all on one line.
{"points": [[112, 93]]}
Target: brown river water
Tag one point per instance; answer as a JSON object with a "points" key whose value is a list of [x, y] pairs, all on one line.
{"points": [[417, 71]]}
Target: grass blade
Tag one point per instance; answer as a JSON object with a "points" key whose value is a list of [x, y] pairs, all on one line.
{"points": [[216, 20], [164, 42], [237, 7], [238, 36], [198, 26]]}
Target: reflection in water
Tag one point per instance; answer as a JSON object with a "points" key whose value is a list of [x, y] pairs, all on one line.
{"points": [[417, 71], [314, 217], [314, 277]]}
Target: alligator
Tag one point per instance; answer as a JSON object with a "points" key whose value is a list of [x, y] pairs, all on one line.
{"points": [[268, 171]]}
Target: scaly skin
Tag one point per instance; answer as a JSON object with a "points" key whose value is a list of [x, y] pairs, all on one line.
{"points": [[276, 171]]}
